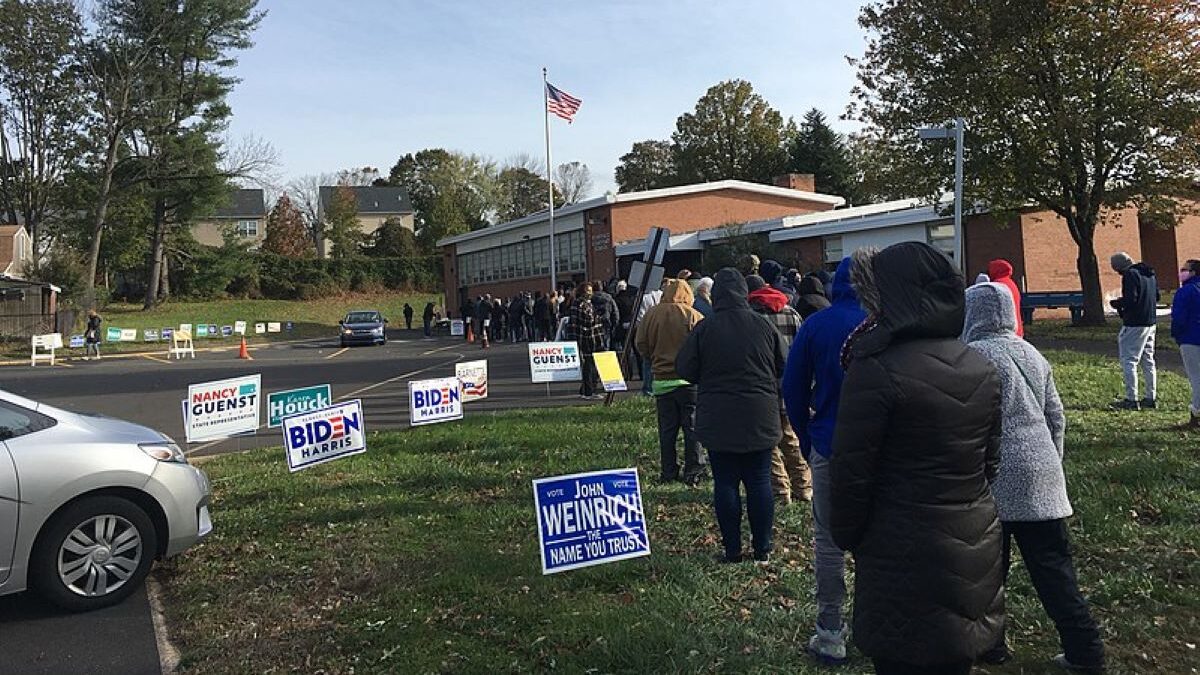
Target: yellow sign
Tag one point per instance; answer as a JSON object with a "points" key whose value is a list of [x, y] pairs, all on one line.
{"points": [[610, 371]]}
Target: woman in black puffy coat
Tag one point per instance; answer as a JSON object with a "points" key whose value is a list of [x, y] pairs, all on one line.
{"points": [[915, 448]]}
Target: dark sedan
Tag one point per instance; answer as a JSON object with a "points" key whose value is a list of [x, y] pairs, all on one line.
{"points": [[363, 328]]}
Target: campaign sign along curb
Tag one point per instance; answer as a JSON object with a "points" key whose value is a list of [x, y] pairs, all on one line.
{"points": [[239, 327], [113, 335], [323, 435], [281, 404], [554, 362], [610, 371], [474, 378], [223, 408], [77, 341], [587, 519], [457, 328], [128, 335], [431, 401]]}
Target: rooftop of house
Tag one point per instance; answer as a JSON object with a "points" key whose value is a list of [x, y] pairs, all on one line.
{"points": [[372, 199], [243, 203]]}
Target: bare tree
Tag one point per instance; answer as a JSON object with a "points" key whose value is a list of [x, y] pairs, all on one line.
{"points": [[524, 160], [305, 193], [574, 181]]}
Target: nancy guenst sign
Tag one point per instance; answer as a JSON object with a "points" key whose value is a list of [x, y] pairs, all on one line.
{"points": [[281, 404], [432, 401], [554, 362], [223, 408], [588, 519], [323, 435]]}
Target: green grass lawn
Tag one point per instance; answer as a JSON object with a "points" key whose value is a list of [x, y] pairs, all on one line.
{"points": [[310, 318], [421, 555], [1045, 330]]}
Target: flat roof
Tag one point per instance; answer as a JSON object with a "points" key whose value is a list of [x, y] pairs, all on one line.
{"points": [[661, 193]]}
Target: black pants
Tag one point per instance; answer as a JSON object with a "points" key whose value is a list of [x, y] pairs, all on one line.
{"points": [[676, 411], [883, 667], [730, 471], [407, 322], [587, 366], [1046, 549]]}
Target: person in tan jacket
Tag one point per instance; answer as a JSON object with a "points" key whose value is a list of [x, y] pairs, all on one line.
{"points": [[660, 335]]}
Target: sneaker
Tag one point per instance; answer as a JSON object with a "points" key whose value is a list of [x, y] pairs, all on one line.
{"points": [[1149, 404], [762, 557], [725, 559], [1061, 661], [828, 646], [1124, 404]]}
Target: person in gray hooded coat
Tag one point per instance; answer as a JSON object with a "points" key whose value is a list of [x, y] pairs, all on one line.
{"points": [[1030, 489]]}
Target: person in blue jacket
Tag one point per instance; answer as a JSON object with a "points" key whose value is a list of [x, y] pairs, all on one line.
{"points": [[1185, 329], [812, 384]]}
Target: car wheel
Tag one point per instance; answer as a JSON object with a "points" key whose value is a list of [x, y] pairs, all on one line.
{"points": [[93, 554]]}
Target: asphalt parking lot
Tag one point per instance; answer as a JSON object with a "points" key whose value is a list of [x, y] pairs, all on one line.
{"points": [[148, 390]]}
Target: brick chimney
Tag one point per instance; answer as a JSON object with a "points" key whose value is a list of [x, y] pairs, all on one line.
{"points": [[797, 181]]}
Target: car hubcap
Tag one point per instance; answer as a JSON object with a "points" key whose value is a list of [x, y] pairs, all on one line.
{"points": [[99, 556]]}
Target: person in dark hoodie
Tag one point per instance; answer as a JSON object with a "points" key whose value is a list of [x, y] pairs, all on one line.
{"points": [[915, 448], [1135, 341], [790, 478], [812, 382], [811, 298], [735, 358], [607, 312], [773, 273], [1000, 271], [427, 319]]}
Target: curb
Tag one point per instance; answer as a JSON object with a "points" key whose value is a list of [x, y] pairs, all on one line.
{"points": [[168, 654]]}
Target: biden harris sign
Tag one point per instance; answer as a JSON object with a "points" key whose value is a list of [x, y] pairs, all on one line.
{"points": [[324, 435], [431, 401], [589, 519]]}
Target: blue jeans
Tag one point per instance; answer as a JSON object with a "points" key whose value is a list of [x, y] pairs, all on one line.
{"points": [[730, 471]]}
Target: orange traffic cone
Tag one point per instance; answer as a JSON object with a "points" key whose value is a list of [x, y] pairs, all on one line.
{"points": [[470, 334], [243, 353]]}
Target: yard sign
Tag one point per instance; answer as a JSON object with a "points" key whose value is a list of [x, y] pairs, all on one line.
{"points": [[431, 401], [223, 408], [323, 435], [589, 519], [554, 362], [474, 378]]}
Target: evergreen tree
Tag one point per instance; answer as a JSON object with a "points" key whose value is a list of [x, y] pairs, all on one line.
{"points": [[344, 232], [821, 151]]}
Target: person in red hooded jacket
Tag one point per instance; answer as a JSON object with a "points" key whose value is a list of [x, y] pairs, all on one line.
{"points": [[1000, 271]]}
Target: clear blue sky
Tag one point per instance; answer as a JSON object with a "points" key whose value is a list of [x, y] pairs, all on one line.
{"points": [[351, 83]]}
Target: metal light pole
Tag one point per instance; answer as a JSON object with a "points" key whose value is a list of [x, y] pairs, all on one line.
{"points": [[956, 132]]}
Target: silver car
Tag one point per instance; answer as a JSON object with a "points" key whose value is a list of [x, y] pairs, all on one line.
{"points": [[88, 502]]}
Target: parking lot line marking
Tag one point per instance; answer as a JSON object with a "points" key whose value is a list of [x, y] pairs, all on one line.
{"points": [[398, 377], [440, 349], [155, 358], [338, 352], [64, 365]]}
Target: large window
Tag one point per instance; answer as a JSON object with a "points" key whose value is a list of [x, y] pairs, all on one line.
{"points": [[941, 237], [833, 249], [247, 228], [522, 260]]}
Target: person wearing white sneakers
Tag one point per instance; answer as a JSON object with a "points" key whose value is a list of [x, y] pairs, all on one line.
{"points": [[91, 336]]}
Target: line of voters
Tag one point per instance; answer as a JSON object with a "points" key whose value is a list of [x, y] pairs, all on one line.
{"points": [[927, 434]]}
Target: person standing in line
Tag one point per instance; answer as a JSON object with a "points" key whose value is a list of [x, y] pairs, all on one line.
{"points": [[541, 320], [811, 297], [1185, 329], [812, 383], [649, 300], [790, 477], [703, 301], [735, 358], [664, 329], [1031, 490], [516, 322], [915, 447], [91, 336], [1135, 341], [774, 274], [606, 312], [408, 315], [624, 298], [1000, 271], [588, 333], [499, 321], [427, 318]]}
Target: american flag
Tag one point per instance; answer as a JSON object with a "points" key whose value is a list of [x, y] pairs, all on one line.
{"points": [[561, 103]]}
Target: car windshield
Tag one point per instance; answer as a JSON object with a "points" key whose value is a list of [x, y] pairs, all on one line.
{"points": [[362, 317]]}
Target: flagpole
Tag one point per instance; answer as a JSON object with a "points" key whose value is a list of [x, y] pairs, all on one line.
{"points": [[550, 183]]}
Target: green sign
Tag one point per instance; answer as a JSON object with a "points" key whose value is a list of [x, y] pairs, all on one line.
{"points": [[114, 335], [202, 330], [283, 404]]}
